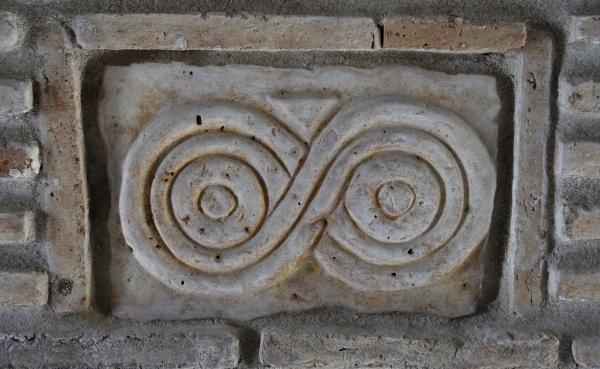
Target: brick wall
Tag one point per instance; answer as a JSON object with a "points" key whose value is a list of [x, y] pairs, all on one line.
{"points": [[328, 184]]}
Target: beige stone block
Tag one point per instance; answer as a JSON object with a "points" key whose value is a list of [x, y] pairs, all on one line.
{"points": [[586, 352], [528, 242], [584, 29], [579, 159], [583, 286], [11, 31], [451, 35], [64, 197], [16, 97], [331, 187], [341, 347], [19, 161], [149, 346], [216, 31], [16, 227], [582, 223], [581, 98], [23, 289]]}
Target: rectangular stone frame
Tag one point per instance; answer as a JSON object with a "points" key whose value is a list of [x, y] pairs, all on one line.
{"points": [[524, 254]]}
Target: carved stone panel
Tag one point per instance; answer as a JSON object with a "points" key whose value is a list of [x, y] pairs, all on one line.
{"points": [[241, 191]]}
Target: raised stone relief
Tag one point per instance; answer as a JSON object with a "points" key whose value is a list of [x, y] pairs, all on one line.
{"points": [[244, 191]]}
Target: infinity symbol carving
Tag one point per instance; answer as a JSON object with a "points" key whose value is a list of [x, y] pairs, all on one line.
{"points": [[223, 199]]}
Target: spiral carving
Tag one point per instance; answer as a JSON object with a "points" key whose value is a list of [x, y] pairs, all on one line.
{"points": [[221, 199], [202, 197], [402, 215]]}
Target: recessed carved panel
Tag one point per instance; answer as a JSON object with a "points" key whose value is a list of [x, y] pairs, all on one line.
{"points": [[242, 191]]}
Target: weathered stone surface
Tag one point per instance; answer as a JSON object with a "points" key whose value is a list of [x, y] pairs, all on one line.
{"points": [[584, 29], [215, 31], [10, 31], [16, 227], [575, 285], [154, 347], [581, 98], [23, 288], [248, 255], [16, 97], [579, 159], [586, 352], [64, 187], [528, 241], [323, 83], [343, 348], [582, 223], [19, 161], [451, 35]]}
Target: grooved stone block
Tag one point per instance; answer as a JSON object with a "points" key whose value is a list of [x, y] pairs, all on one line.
{"points": [[152, 347], [16, 227], [16, 97], [586, 352], [580, 159], [10, 31], [581, 98], [451, 35], [246, 190], [344, 348], [584, 29], [215, 31], [575, 286], [19, 161], [23, 289]]}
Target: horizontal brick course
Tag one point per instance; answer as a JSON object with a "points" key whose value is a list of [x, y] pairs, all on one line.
{"points": [[580, 159], [586, 352], [16, 227], [582, 223], [10, 31], [215, 31], [581, 98], [336, 348], [153, 348], [584, 29], [454, 35], [19, 161], [569, 285], [16, 97], [23, 289]]}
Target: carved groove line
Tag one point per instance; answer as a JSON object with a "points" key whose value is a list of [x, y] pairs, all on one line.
{"points": [[392, 178]]}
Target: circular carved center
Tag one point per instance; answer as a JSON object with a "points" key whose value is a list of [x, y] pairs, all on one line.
{"points": [[217, 201], [395, 198]]}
